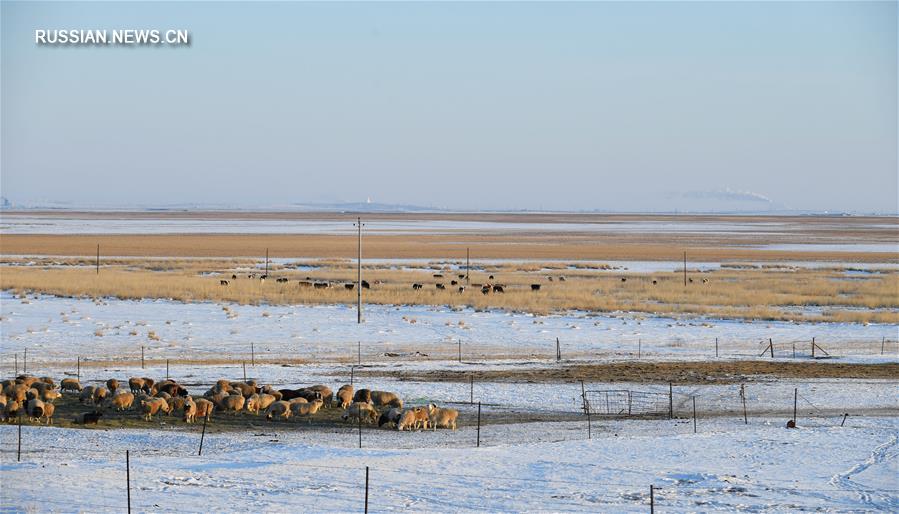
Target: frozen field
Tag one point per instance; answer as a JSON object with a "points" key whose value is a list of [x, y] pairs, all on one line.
{"points": [[54, 329], [726, 467]]}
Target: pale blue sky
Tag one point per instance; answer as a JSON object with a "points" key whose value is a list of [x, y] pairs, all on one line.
{"points": [[612, 106]]}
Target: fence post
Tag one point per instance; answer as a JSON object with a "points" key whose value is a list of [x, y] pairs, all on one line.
{"points": [[882, 343], [252, 355], [141, 356], [366, 489], [19, 451], [771, 347], [203, 435], [460, 350], [813, 347], [166, 369], [244, 372], [25, 361], [78, 372], [639, 348], [360, 430], [652, 500], [352, 372], [670, 400], [716, 347], [17, 363], [359, 353], [794, 349], [694, 414], [558, 351], [128, 477], [479, 424], [795, 400], [583, 398], [471, 381], [846, 415], [743, 397], [589, 423]]}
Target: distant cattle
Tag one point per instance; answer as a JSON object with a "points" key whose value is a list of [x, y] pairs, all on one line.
{"points": [[281, 280], [304, 283], [490, 277], [233, 277], [485, 289], [561, 279], [440, 286], [349, 286], [461, 289], [535, 287], [654, 282], [461, 275], [624, 279], [498, 289], [223, 282], [416, 286], [454, 283], [322, 285], [438, 275], [705, 281], [263, 277], [549, 278], [366, 285]]}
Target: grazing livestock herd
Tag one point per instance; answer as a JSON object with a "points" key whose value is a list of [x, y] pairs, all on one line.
{"points": [[34, 397]]}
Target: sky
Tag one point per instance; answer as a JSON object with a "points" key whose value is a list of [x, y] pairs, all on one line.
{"points": [[639, 106]]}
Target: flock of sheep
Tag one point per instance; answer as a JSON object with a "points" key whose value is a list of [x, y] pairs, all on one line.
{"points": [[34, 397]]}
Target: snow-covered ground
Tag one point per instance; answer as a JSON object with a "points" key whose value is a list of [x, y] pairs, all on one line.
{"points": [[726, 467], [54, 329]]}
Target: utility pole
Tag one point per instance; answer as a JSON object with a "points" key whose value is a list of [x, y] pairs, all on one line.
{"points": [[359, 272]]}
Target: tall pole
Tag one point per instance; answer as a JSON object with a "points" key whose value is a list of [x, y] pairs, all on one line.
{"points": [[359, 271], [266, 262], [128, 477], [685, 269], [366, 489], [468, 266], [98, 259], [795, 398]]}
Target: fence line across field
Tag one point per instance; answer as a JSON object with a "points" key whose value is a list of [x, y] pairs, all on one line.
{"points": [[380, 352]]}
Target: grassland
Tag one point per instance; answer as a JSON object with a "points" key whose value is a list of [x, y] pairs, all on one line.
{"points": [[739, 291]]}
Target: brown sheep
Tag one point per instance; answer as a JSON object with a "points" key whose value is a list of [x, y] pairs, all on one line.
{"points": [[87, 418], [122, 401], [360, 411], [35, 409], [49, 409], [362, 395], [259, 402], [306, 409], [204, 408], [327, 396], [421, 417], [137, 384], [232, 403], [112, 384], [390, 416], [152, 406], [279, 409], [13, 408], [345, 396], [407, 420], [18, 393], [245, 389], [176, 403], [87, 394], [386, 399], [49, 381], [442, 417], [190, 410], [51, 395], [100, 394]]}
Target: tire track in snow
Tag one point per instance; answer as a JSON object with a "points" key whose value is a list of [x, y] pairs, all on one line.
{"points": [[881, 454]]}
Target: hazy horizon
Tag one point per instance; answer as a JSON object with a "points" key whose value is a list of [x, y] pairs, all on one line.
{"points": [[613, 107]]}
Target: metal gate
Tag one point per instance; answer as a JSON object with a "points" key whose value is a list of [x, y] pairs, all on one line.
{"points": [[624, 402]]}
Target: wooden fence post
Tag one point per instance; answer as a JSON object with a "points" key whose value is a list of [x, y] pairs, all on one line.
{"points": [[352, 372], [166, 369], [795, 400], [813, 347], [771, 346], [17, 363], [652, 500], [716, 347], [19, 451], [128, 477], [203, 435], [743, 397], [844, 419], [670, 400], [694, 414], [471, 382], [583, 398], [479, 424], [142, 357], [460, 350], [558, 351], [244, 371], [366, 489], [78, 372]]}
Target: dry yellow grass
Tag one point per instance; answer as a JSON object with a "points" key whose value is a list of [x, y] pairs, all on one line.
{"points": [[775, 294]]}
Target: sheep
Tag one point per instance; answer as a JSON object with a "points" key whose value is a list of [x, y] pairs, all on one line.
{"points": [[360, 411], [87, 394], [233, 403], [49, 381], [122, 401], [204, 408], [152, 406], [190, 410], [279, 408], [87, 418], [12, 408], [112, 384], [173, 389], [100, 394], [442, 417], [27, 380], [304, 392], [327, 396], [362, 395], [259, 402], [306, 409], [390, 416], [31, 394], [535, 287], [245, 389], [49, 409], [267, 389], [345, 396], [386, 399], [421, 417], [407, 420], [162, 394], [18, 392], [35, 409], [50, 395], [148, 384], [176, 403], [137, 384]]}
